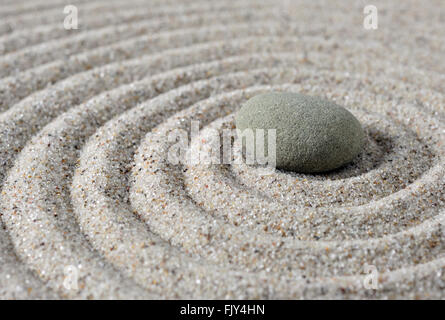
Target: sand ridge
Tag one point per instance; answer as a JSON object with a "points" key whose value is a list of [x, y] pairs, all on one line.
{"points": [[85, 177]]}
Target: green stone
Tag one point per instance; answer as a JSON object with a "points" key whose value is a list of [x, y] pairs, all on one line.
{"points": [[312, 134]]}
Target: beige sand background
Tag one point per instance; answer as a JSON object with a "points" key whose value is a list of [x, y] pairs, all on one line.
{"points": [[91, 207]]}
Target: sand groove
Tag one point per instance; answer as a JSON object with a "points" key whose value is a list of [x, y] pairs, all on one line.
{"points": [[85, 117]]}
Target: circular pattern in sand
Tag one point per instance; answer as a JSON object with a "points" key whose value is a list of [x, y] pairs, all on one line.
{"points": [[84, 142]]}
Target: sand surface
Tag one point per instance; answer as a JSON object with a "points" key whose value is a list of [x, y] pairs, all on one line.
{"points": [[91, 207]]}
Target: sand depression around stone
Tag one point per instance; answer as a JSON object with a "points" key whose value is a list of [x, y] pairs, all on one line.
{"points": [[85, 181]]}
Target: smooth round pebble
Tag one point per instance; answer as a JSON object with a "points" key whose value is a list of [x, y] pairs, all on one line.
{"points": [[312, 134]]}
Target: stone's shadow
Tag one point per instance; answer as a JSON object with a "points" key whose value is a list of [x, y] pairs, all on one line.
{"points": [[377, 146]]}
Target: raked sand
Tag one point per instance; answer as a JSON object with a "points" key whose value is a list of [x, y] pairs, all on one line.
{"points": [[87, 189]]}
